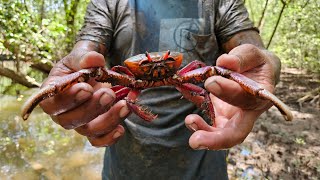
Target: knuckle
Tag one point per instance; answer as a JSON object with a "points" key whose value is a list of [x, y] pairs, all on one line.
{"points": [[97, 142], [84, 130], [66, 124]]}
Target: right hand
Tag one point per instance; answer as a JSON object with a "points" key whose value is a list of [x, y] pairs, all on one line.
{"points": [[86, 107]]}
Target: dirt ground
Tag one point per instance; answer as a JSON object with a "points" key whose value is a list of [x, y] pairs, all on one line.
{"points": [[277, 149]]}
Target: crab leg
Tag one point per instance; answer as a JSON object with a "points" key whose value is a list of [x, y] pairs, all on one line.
{"points": [[191, 66], [65, 82], [55, 87], [201, 74], [255, 89]]}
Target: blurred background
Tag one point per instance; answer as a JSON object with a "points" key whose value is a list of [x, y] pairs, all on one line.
{"points": [[34, 34]]}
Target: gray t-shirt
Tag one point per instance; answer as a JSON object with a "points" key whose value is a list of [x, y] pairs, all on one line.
{"points": [[197, 28]]}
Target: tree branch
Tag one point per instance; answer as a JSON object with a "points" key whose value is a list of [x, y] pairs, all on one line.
{"points": [[19, 78], [284, 4], [263, 14]]}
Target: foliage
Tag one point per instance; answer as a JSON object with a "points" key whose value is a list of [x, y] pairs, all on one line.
{"points": [[24, 36], [36, 31], [43, 31], [297, 38]]}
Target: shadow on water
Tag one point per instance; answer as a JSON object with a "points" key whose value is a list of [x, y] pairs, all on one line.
{"points": [[40, 149]]}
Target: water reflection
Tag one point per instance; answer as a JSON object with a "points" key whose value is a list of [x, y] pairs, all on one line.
{"points": [[40, 149]]}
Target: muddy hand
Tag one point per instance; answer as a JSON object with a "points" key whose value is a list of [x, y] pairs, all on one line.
{"points": [[236, 110]]}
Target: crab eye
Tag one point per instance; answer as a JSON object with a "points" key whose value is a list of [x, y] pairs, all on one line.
{"points": [[148, 56], [166, 55]]}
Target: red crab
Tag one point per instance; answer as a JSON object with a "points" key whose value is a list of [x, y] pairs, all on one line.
{"points": [[151, 70]]}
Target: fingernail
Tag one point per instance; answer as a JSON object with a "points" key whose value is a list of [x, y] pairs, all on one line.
{"points": [[124, 111], [82, 95], [106, 99], [193, 127], [116, 135], [202, 148], [213, 87]]}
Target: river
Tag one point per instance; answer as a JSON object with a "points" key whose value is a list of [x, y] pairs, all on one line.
{"points": [[40, 149]]}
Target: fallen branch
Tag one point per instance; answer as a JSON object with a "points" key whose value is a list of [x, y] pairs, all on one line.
{"points": [[19, 78], [312, 96], [43, 67]]}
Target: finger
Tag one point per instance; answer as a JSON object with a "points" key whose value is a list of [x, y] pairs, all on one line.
{"points": [[235, 131], [107, 122], [67, 100], [232, 93], [92, 59], [242, 58], [99, 103], [107, 139], [195, 122]]}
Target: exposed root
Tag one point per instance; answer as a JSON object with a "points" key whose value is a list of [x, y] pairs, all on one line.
{"points": [[311, 96]]}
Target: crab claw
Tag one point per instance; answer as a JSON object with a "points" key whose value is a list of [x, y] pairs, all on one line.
{"points": [[200, 97], [142, 112]]}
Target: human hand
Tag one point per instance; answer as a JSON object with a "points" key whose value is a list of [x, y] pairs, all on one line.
{"points": [[86, 107], [236, 110]]}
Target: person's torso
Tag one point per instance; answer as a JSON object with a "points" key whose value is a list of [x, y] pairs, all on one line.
{"points": [[160, 148], [185, 26]]}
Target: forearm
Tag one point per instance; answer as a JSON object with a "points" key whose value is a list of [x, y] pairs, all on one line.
{"points": [[87, 46]]}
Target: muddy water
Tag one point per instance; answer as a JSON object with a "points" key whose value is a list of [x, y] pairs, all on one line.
{"points": [[40, 149]]}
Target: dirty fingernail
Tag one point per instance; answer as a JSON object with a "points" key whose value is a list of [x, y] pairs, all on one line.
{"points": [[202, 148], [193, 127], [213, 87], [116, 135], [124, 111], [106, 99], [82, 95]]}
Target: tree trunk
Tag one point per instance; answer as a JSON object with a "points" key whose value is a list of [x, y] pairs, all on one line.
{"points": [[252, 15], [284, 4], [42, 12], [263, 14], [71, 12]]}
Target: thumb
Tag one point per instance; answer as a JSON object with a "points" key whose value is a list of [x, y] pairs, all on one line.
{"points": [[92, 59], [242, 58]]}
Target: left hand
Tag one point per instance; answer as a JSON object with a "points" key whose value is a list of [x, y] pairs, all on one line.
{"points": [[236, 110]]}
